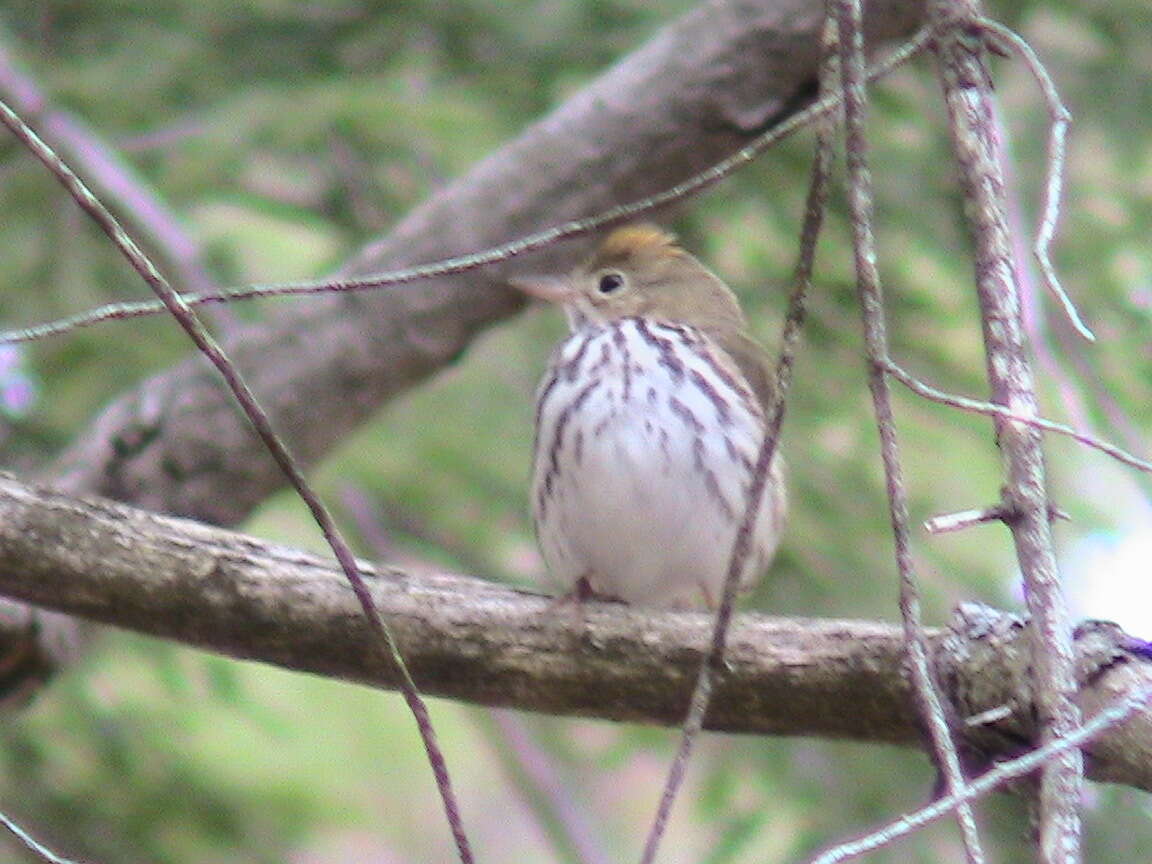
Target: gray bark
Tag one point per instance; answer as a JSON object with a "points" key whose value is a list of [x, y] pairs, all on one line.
{"points": [[484, 643], [699, 90]]}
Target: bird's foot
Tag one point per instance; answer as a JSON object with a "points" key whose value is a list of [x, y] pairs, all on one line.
{"points": [[582, 592]]}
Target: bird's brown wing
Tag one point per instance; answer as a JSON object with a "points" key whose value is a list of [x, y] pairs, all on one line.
{"points": [[752, 361]]}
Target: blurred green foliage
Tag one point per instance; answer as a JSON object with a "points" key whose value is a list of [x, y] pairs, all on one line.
{"points": [[286, 134]]}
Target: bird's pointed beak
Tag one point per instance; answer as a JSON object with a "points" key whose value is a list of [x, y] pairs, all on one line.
{"points": [[553, 289]]}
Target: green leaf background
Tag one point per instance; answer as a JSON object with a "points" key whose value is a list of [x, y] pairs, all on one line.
{"points": [[286, 135]]}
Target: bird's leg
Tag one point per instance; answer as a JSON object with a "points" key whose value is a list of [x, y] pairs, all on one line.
{"points": [[582, 592]]}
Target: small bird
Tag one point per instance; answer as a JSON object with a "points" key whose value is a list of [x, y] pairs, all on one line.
{"points": [[648, 423]]}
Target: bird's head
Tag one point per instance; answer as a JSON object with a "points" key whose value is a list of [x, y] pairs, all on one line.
{"points": [[640, 271]]}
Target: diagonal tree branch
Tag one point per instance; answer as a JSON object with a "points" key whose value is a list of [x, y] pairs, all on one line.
{"points": [[479, 642], [272, 442], [698, 91]]}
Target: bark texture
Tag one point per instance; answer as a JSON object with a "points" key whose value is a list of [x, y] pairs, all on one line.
{"points": [[967, 87], [697, 91], [479, 642]]}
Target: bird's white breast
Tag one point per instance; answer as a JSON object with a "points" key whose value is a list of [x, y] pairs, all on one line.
{"points": [[646, 438]]}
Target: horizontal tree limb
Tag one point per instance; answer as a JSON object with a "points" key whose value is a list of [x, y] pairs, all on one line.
{"points": [[479, 642], [700, 89]]}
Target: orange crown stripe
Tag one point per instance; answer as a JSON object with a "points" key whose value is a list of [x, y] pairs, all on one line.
{"points": [[634, 240]]}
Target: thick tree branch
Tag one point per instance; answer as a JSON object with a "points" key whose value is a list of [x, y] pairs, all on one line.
{"points": [[695, 93], [479, 642], [699, 90]]}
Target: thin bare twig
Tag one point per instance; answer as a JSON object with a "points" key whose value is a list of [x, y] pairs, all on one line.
{"points": [[991, 409], [107, 172], [1083, 384], [850, 19], [947, 523], [177, 305], [961, 53], [962, 519], [496, 254], [1054, 181], [1032, 307], [987, 782], [789, 343], [546, 793], [274, 444], [35, 846]]}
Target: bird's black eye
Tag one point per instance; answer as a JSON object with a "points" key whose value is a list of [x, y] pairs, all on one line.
{"points": [[610, 283]]}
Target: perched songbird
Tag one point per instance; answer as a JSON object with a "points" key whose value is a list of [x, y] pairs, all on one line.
{"points": [[648, 423]]}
